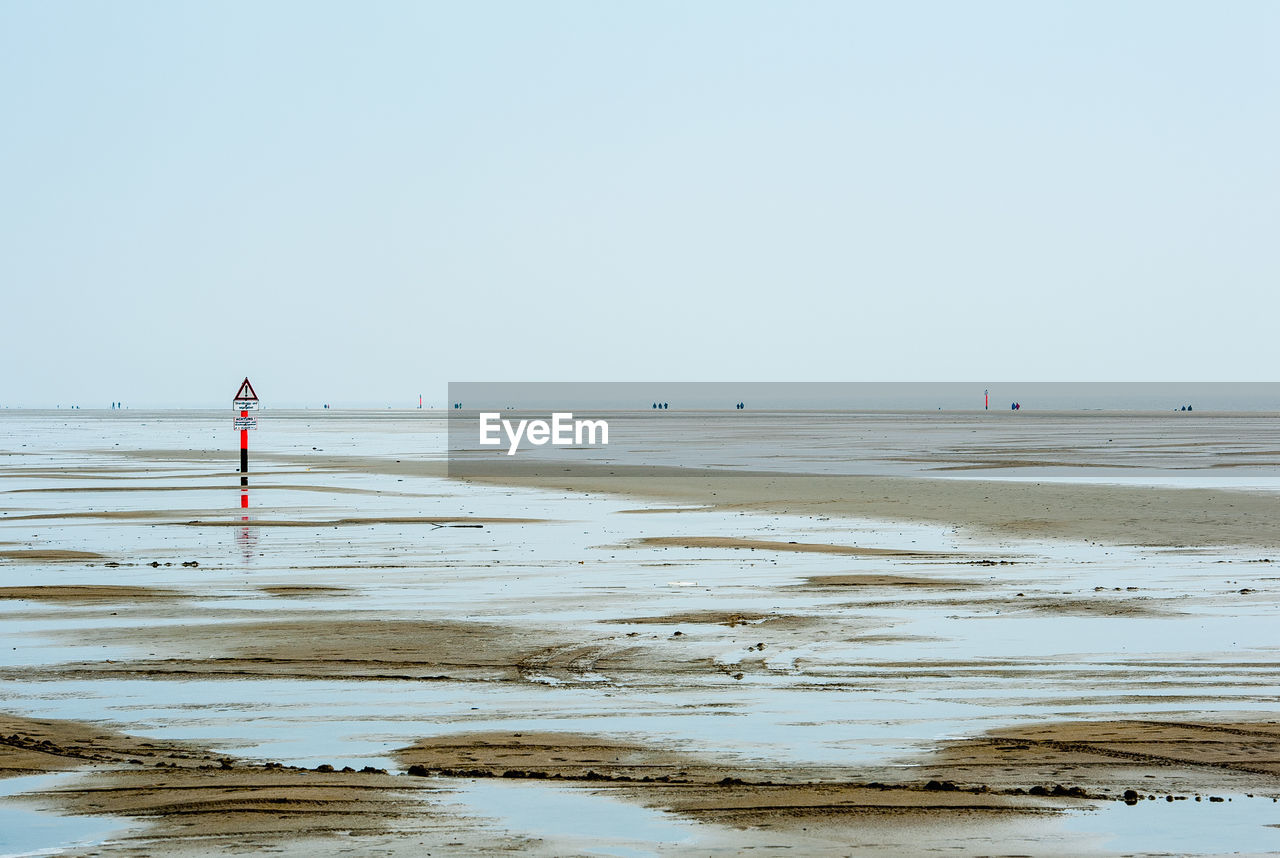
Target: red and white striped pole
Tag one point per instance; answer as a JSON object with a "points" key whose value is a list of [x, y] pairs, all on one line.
{"points": [[245, 401], [244, 464]]}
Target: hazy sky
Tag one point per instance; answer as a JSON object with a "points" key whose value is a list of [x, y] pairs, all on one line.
{"points": [[359, 202]]}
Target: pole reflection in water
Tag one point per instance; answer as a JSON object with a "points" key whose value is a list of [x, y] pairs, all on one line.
{"points": [[246, 535]]}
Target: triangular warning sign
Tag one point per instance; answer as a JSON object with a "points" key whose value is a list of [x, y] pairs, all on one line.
{"points": [[246, 391]]}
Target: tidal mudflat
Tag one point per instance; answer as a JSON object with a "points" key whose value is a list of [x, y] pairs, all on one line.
{"points": [[889, 634]]}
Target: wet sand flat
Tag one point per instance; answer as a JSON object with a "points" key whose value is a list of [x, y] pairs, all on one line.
{"points": [[36, 555], [87, 593], [188, 800], [1118, 514], [825, 664], [774, 545]]}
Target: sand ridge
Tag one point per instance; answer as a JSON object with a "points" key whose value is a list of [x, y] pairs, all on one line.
{"points": [[48, 555], [186, 800], [1116, 514], [88, 593], [778, 545]]}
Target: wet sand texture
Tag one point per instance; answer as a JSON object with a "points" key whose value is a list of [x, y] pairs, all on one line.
{"points": [[1118, 514]]}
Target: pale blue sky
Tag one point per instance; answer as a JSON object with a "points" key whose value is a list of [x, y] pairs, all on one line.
{"points": [[359, 202]]}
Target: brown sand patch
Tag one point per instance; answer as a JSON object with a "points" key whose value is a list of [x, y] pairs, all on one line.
{"points": [[247, 804], [873, 580], [1102, 605], [1092, 607], [361, 649], [47, 555], [688, 784], [654, 510], [320, 646], [724, 618], [1025, 463], [196, 797], [32, 746], [777, 545], [1153, 756], [544, 754], [299, 591], [196, 802], [327, 648], [1008, 770], [88, 593], [898, 820]]}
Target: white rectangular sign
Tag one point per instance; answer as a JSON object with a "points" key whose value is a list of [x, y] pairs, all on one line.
{"points": [[245, 404], [246, 422]]}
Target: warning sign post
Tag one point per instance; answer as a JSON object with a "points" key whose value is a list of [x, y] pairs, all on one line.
{"points": [[245, 400]]}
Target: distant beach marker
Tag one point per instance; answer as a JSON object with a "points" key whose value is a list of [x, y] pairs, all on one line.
{"points": [[245, 400]]}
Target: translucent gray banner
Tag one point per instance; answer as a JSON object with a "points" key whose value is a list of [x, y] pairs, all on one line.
{"points": [[1203, 434]]}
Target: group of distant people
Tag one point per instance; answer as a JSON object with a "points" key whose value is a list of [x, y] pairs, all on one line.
{"points": [[116, 405], [1186, 408], [662, 405], [1017, 406]]}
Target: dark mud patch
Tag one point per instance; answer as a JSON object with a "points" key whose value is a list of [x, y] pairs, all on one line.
{"points": [[48, 555]]}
